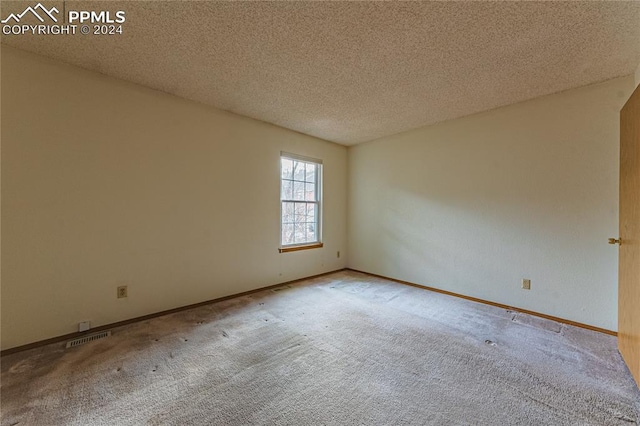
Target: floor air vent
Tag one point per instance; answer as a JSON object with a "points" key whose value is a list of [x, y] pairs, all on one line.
{"points": [[87, 339]]}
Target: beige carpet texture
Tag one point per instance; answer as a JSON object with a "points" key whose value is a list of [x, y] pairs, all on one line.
{"points": [[342, 349]]}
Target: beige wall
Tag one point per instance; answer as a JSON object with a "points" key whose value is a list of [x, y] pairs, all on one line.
{"points": [[474, 205], [105, 183]]}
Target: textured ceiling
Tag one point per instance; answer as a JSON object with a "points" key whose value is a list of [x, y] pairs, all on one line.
{"points": [[350, 72]]}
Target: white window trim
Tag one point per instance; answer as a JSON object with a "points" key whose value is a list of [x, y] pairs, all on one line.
{"points": [[319, 203]]}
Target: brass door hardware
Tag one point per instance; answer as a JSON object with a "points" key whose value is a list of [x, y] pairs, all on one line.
{"points": [[614, 240]]}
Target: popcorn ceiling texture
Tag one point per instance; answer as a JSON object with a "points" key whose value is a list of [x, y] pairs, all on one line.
{"points": [[350, 72]]}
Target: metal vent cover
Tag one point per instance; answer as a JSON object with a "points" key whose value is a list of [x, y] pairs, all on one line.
{"points": [[87, 339]]}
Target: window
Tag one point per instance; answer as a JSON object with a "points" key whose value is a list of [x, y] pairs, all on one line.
{"points": [[300, 195]]}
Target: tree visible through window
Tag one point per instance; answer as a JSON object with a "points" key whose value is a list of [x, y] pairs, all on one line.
{"points": [[300, 201]]}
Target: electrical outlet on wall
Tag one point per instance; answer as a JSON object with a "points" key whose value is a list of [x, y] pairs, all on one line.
{"points": [[526, 284], [84, 326], [122, 291]]}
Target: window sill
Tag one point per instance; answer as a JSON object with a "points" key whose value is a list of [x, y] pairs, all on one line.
{"points": [[298, 248]]}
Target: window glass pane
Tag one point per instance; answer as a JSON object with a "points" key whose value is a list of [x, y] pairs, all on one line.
{"points": [[298, 191], [286, 168], [300, 212], [286, 191], [300, 233], [287, 212], [311, 233], [287, 234], [311, 172], [298, 171], [310, 192], [311, 212]]}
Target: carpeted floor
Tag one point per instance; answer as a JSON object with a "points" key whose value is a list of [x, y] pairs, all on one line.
{"points": [[344, 349]]}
